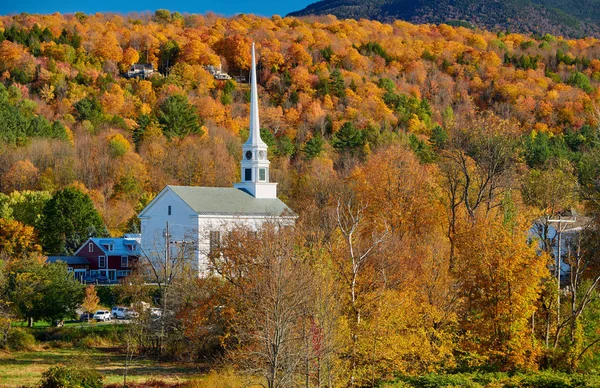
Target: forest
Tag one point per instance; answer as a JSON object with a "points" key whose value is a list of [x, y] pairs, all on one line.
{"points": [[557, 17], [418, 158]]}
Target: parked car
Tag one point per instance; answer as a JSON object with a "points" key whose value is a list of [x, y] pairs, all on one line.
{"points": [[86, 317], [129, 314], [155, 312], [102, 315], [119, 312]]}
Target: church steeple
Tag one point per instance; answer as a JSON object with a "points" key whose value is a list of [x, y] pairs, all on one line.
{"points": [[254, 164], [254, 137]]}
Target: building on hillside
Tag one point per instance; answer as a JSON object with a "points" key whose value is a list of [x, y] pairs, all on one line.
{"points": [[140, 70], [571, 226], [217, 73], [113, 258], [194, 218]]}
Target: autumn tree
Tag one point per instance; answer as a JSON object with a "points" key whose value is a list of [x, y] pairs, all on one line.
{"points": [[500, 277], [90, 300], [353, 251], [477, 167], [270, 283], [23, 175], [17, 241]]}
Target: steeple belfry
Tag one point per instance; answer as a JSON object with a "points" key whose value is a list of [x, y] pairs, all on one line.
{"points": [[254, 164]]}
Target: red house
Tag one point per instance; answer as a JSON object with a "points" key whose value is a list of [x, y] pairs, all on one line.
{"points": [[111, 257]]}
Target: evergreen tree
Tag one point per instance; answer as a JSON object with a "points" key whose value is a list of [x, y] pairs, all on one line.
{"points": [[336, 84], [348, 137], [178, 117], [313, 147]]}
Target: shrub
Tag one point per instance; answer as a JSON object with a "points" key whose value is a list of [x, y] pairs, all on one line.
{"points": [[70, 377], [20, 339], [435, 381], [152, 383], [225, 379], [104, 335]]}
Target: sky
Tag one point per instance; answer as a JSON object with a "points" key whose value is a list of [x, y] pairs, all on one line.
{"points": [[227, 7]]}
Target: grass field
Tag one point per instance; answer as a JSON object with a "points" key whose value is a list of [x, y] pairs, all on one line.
{"points": [[26, 367]]}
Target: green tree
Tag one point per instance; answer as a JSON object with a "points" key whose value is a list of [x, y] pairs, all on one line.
{"points": [[178, 117], [27, 206], [336, 84], [88, 109], [43, 291], [169, 51], [438, 137], [348, 137], [68, 219], [313, 147], [581, 81]]}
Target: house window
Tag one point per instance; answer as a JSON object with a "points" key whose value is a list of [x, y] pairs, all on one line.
{"points": [[123, 273], [94, 272], [262, 174], [169, 210], [215, 240], [247, 174], [101, 261], [91, 247], [124, 261]]}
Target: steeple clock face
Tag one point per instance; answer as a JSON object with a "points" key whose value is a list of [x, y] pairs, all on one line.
{"points": [[261, 154], [248, 155]]}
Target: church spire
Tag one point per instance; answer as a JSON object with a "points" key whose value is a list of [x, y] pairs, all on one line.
{"points": [[254, 137], [254, 164]]}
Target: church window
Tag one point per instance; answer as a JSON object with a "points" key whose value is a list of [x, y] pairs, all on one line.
{"points": [[247, 174], [169, 210], [215, 240], [262, 174]]}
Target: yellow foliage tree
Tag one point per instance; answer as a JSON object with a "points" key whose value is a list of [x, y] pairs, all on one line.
{"points": [[500, 277]]}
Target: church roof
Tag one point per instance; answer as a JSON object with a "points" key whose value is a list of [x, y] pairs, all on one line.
{"points": [[229, 201]]}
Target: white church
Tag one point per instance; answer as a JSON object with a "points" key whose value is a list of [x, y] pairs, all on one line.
{"points": [[196, 217]]}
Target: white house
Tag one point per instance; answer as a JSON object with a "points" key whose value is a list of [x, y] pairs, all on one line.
{"points": [[192, 217]]}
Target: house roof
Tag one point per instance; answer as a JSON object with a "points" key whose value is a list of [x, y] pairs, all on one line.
{"points": [[69, 260], [229, 201], [129, 245]]}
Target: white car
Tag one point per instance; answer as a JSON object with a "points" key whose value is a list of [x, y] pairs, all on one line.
{"points": [[119, 312], [155, 312], [102, 315]]}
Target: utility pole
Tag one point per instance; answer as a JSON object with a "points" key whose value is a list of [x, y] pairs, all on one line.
{"points": [[165, 289], [559, 231]]}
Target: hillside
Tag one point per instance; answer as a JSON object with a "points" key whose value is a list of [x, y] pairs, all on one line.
{"points": [[417, 158], [556, 17]]}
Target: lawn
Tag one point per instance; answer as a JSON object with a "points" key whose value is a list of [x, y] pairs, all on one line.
{"points": [[26, 367]]}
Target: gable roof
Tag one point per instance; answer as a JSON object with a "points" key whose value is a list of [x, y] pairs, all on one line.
{"points": [[228, 201], [129, 245]]}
